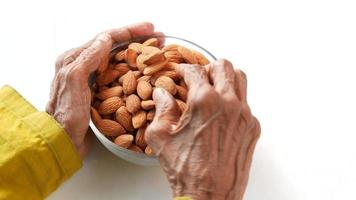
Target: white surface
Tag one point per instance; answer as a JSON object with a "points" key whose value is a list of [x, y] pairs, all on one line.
{"points": [[299, 56]]}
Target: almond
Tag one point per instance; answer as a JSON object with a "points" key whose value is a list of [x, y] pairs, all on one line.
{"points": [[123, 116], [148, 104], [135, 148], [171, 66], [121, 55], [121, 79], [154, 58], [124, 140], [187, 55], [140, 62], [144, 78], [110, 92], [109, 127], [139, 119], [96, 104], [107, 77], [123, 68], [147, 50], [133, 103], [140, 138], [107, 117], [173, 56], [102, 88], [95, 115], [115, 83], [151, 69], [149, 151], [129, 83], [170, 47], [151, 42], [171, 74], [144, 90], [166, 83], [150, 115], [110, 105], [137, 74], [202, 60], [137, 47], [131, 57], [182, 92]]}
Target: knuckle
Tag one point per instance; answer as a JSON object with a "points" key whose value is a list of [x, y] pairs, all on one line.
{"points": [[151, 132], [205, 95], [246, 114], [59, 61], [241, 74], [226, 63], [194, 69], [207, 101], [69, 75], [256, 131], [232, 105], [74, 74], [88, 55]]}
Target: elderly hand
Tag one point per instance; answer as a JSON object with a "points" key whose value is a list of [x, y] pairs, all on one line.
{"points": [[70, 94], [207, 151]]}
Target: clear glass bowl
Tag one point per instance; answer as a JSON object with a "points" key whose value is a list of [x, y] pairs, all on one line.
{"points": [[128, 155]]}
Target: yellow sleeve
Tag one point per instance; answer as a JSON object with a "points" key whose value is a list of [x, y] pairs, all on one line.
{"points": [[183, 198], [36, 154]]}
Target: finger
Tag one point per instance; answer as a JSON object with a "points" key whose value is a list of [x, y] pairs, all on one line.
{"points": [[166, 116], [117, 35], [241, 85], [166, 107], [160, 37], [69, 56], [124, 34], [127, 33], [222, 76], [193, 75], [90, 58]]}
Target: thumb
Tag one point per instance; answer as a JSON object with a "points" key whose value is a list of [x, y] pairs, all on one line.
{"points": [[167, 109], [166, 116]]}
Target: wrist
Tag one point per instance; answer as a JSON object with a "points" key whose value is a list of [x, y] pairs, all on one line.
{"points": [[80, 144]]}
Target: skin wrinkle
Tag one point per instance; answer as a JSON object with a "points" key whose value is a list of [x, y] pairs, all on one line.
{"points": [[70, 95], [211, 144], [196, 132], [238, 150], [195, 163]]}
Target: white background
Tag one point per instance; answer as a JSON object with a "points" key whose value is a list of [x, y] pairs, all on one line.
{"points": [[300, 58]]}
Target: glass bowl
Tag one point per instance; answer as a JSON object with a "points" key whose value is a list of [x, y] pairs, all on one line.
{"points": [[125, 154]]}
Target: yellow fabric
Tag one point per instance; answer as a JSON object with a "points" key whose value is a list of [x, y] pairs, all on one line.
{"points": [[36, 154], [183, 198]]}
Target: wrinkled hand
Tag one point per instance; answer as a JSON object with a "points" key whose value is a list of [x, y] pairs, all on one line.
{"points": [[207, 152], [70, 96]]}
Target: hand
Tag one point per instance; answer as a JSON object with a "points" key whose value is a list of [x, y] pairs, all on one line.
{"points": [[70, 95], [207, 152]]}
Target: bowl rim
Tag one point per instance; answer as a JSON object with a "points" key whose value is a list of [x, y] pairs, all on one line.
{"points": [[116, 47], [140, 39]]}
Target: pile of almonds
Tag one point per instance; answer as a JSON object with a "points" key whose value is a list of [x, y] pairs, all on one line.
{"points": [[122, 105]]}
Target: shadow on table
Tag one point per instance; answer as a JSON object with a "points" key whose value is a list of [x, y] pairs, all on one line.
{"points": [[105, 176]]}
